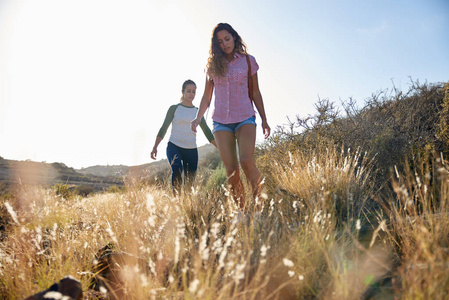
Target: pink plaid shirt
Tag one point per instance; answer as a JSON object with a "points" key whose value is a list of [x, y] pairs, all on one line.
{"points": [[232, 103]]}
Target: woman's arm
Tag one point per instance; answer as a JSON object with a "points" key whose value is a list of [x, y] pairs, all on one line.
{"points": [[160, 135], [206, 130], [257, 97], [205, 102], [156, 143]]}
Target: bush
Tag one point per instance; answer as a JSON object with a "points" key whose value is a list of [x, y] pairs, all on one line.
{"points": [[5, 191], [84, 190], [391, 126], [211, 161], [217, 178], [443, 131], [114, 189], [63, 190]]}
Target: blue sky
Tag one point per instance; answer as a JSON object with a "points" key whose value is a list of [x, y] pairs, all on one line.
{"points": [[88, 82]]}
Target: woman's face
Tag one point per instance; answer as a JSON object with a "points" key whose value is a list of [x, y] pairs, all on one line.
{"points": [[226, 42], [189, 92]]}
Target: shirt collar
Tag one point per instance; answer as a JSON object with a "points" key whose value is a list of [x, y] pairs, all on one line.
{"points": [[236, 56]]}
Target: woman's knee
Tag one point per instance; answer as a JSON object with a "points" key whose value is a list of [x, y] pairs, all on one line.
{"points": [[247, 163], [231, 167]]}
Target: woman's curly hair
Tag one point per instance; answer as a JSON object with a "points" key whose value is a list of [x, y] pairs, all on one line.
{"points": [[216, 63]]}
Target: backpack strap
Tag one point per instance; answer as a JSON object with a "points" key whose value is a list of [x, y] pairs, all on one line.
{"points": [[250, 80]]}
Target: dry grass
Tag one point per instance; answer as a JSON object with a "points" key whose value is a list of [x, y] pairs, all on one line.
{"points": [[419, 229], [309, 243]]}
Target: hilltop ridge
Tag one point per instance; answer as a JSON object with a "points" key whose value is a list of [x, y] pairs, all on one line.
{"points": [[98, 178], [150, 168]]}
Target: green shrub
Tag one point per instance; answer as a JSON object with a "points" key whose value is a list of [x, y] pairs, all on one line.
{"points": [[443, 131], [211, 161], [84, 190], [217, 178], [114, 189], [5, 191], [63, 190]]}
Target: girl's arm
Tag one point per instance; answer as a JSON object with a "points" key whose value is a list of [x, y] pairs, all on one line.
{"points": [[205, 102], [160, 135], [156, 143], [257, 97], [210, 137]]}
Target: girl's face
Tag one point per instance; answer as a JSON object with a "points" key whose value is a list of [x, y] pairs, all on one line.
{"points": [[189, 92], [226, 42]]}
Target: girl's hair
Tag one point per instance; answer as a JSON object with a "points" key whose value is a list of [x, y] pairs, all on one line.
{"points": [[184, 86], [216, 63]]}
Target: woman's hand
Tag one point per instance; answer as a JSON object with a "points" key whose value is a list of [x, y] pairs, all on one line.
{"points": [[154, 153], [194, 124], [266, 129]]}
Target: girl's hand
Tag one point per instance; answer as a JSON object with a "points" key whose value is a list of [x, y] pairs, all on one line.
{"points": [[194, 124], [154, 153], [266, 129]]}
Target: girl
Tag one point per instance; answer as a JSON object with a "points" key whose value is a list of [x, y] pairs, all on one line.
{"points": [[182, 152], [234, 115]]}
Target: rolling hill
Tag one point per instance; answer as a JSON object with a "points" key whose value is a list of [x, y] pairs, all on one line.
{"points": [[98, 178]]}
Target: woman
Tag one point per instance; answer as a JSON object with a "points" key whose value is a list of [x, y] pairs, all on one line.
{"points": [[234, 115], [182, 152]]}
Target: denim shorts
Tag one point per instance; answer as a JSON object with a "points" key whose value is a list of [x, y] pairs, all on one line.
{"points": [[233, 127]]}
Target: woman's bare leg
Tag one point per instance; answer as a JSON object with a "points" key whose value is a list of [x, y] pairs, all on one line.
{"points": [[246, 139], [227, 147]]}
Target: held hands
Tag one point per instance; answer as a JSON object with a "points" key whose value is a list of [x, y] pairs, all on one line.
{"points": [[194, 124]]}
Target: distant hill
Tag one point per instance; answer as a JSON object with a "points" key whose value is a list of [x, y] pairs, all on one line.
{"points": [[115, 171], [147, 170], [13, 172], [99, 178]]}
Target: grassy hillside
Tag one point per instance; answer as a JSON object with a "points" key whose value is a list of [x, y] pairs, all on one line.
{"points": [[16, 173], [151, 169], [391, 127], [355, 206], [94, 178]]}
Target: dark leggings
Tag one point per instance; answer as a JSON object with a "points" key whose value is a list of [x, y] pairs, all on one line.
{"points": [[182, 160]]}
